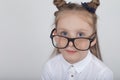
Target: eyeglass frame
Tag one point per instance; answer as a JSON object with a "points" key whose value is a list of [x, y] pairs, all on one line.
{"points": [[72, 40]]}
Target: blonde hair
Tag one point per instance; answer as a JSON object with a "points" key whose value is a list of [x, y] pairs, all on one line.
{"points": [[89, 8]]}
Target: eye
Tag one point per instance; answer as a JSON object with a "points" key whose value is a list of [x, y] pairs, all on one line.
{"points": [[63, 33], [81, 34]]}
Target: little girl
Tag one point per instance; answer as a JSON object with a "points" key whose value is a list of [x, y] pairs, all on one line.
{"points": [[75, 39]]}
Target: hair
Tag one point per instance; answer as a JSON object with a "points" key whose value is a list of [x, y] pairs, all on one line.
{"points": [[89, 9]]}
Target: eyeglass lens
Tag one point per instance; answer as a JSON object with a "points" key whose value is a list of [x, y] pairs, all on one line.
{"points": [[63, 42]]}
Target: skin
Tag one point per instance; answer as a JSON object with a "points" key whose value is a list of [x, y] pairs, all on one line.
{"points": [[74, 23]]}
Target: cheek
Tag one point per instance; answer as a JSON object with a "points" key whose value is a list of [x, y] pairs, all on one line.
{"points": [[56, 40], [61, 42], [82, 44], [61, 50]]}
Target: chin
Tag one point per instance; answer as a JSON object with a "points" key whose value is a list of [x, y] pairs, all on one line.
{"points": [[73, 58]]}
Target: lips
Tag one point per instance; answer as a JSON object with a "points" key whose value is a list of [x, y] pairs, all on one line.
{"points": [[71, 51]]}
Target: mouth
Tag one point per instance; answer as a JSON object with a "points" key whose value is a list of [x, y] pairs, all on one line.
{"points": [[71, 51]]}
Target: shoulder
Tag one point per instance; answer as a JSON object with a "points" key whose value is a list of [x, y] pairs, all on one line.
{"points": [[98, 63], [49, 66], [53, 61], [104, 72]]}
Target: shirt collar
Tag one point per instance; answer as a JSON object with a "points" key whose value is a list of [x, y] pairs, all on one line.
{"points": [[79, 66], [65, 63]]}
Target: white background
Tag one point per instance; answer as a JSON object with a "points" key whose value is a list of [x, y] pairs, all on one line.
{"points": [[25, 45]]}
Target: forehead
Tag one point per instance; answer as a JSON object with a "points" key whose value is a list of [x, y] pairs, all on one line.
{"points": [[74, 20], [84, 15]]}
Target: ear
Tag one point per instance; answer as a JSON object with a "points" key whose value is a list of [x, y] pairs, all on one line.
{"points": [[93, 42], [54, 32]]}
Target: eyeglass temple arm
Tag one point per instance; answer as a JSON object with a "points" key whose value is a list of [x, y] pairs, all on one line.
{"points": [[93, 36], [52, 32]]}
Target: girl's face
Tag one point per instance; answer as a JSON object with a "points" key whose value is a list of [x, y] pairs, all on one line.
{"points": [[73, 25]]}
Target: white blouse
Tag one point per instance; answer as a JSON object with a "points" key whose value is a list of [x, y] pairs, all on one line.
{"points": [[90, 68]]}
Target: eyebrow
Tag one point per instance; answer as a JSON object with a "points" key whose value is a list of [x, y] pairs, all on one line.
{"points": [[80, 30]]}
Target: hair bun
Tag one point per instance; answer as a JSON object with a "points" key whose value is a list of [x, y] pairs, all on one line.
{"points": [[59, 3], [91, 6], [94, 4]]}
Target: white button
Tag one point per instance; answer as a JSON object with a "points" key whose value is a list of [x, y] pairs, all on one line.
{"points": [[71, 72]]}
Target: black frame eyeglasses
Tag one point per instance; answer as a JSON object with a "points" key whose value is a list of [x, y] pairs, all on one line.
{"points": [[80, 43]]}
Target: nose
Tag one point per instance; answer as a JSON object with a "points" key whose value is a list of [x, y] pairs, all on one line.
{"points": [[70, 44]]}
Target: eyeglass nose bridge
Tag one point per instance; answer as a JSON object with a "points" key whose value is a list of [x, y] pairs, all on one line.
{"points": [[71, 40]]}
